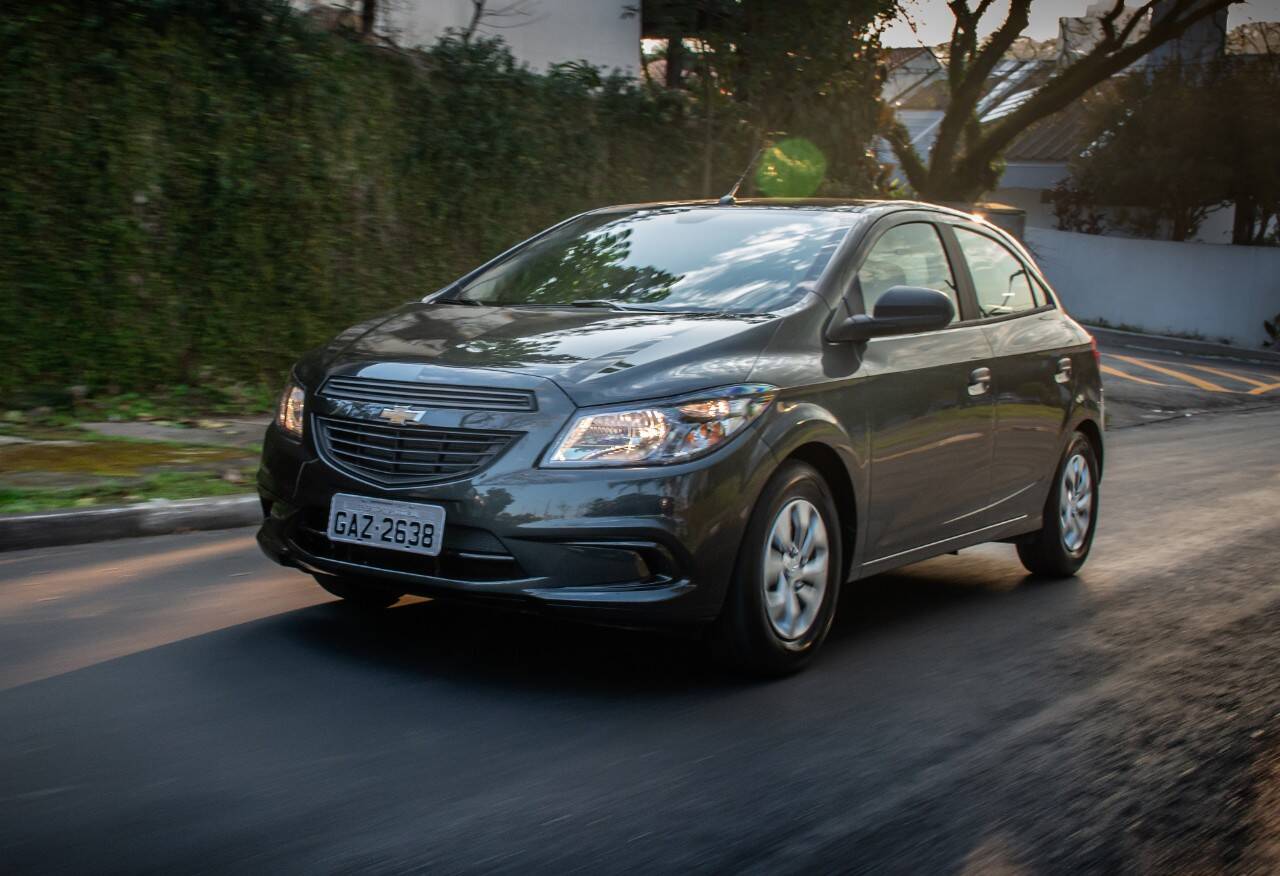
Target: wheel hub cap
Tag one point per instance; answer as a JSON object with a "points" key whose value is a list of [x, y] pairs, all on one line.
{"points": [[796, 562], [1075, 505]]}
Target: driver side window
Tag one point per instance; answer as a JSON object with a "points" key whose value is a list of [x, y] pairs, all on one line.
{"points": [[907, 255]]}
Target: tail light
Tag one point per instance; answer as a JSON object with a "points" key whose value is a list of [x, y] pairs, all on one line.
{"points": [[1093, 346]]}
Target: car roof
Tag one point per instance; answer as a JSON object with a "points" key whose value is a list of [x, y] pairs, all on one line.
{"points": [[835, 205], [868, 206]]}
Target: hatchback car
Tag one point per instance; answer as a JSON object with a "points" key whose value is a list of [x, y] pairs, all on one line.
{"points": [[700, 414]]}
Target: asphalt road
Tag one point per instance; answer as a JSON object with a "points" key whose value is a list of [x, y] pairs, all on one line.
{"points": [[1148, 379], [176, 704]]}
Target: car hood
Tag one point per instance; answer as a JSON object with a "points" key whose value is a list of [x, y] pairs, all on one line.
{"points": [[595, 356]]}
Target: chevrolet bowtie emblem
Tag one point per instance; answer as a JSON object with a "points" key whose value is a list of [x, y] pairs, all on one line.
{"points": [[400, 415]]}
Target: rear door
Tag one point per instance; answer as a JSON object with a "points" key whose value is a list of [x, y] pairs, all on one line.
{"points": [[930, 414], [1031, 378]]}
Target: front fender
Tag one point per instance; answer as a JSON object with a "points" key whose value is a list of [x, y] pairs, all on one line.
{"points": [[799, 426]]}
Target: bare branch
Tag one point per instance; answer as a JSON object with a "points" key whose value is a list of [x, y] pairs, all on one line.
{"points": [[899, 139], [1139, 14], [1067, 86], [1108, 22], [966, 94], [484, 16]]}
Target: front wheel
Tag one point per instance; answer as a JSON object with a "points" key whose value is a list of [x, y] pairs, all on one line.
{"points": [[787, 576], [358, 594], [1062, 545]]}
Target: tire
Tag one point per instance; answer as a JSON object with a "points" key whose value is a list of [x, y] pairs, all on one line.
{"points": [[1062, 545], [358, 594], [767, 626]]}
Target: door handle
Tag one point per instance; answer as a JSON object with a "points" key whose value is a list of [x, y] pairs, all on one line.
{"points": [[979, 381], [1064, 370]]}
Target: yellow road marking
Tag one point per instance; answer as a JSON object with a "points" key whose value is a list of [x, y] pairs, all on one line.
{"points": [[1181, 375], [1231, 374], [1266, 387], [1116, 372]]}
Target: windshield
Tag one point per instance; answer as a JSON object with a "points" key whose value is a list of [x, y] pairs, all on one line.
{"points": [[746, 259]]}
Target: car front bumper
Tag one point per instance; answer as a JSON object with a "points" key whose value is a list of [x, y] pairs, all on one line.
{"points": [[642, 546]]}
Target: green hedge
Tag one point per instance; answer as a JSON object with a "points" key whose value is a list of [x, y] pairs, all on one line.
{"points": [[198, 190]]}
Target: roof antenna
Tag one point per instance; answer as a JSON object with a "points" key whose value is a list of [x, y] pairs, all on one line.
{"points": [[729, 199]]}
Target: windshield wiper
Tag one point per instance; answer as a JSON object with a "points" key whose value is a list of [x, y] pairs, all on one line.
{"points": [[609, 304]]}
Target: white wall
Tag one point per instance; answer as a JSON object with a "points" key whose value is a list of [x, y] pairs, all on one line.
{"points": [[547, 32], [1220, 292], [1029, 201]]}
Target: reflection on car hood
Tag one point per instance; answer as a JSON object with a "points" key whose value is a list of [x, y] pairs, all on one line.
{"points": [[595, 356]]}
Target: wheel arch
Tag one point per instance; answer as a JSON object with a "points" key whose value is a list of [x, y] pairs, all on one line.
{"points": [[808, 431], [1090, 430], [827, 462]]}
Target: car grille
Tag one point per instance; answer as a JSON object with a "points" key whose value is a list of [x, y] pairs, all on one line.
{"points": [[427, 395], [396, 456]]}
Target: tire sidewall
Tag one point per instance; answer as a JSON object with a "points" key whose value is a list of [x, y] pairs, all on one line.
{"points": [[1053, 523], [794, 480]]}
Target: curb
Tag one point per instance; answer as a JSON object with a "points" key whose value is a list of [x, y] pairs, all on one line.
{"points": [[159, 517], [1165, 344]]}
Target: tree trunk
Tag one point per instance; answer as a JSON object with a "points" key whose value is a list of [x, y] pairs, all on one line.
{"points": [[1181, 225], [675, 61], [477, 15], [368, 16], [1242, 224]]}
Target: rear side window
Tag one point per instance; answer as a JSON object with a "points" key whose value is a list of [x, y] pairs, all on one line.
{"points": [[906, 255], [1000, 281]]}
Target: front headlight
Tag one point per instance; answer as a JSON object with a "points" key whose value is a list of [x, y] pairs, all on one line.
{"points": [[658, 434], [289, 411]]}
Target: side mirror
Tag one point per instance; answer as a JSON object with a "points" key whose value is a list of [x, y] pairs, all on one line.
{"points": [[900, 310]]}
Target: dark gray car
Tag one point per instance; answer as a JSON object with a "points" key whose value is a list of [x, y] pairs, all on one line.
{"points": [[696, 414]]}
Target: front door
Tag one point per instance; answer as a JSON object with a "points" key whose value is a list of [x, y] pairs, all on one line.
{"points": [[931, 414]]}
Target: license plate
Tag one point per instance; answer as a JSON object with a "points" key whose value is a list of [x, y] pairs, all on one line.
{"points": [[385, 523]]}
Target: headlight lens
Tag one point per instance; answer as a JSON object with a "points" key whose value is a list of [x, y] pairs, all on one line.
{"points": [[660, 434], [290, 410]]}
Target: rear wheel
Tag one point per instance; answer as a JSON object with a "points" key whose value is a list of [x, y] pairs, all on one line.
{"points": [[358, 594], [1062, 545], [787, 576]]}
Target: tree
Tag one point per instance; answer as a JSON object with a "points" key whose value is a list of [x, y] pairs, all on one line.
{"points": [[806, 68], [1250, 133], [1156, 153], [1171, 146], [965, 159]]}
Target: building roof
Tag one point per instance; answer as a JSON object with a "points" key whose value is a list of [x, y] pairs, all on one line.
{"points": [[895, 58], [1057, 139]]}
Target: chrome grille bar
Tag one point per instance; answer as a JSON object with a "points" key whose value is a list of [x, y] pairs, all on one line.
{"points": [[427, 395], [404, 456]]}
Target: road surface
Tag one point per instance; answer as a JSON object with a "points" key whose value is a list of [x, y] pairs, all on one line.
{"points": [[176, 704], [1148, 379]]}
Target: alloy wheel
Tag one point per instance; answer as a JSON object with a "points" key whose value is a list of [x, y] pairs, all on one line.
{"points": [[1075, 503], [796, 562]]}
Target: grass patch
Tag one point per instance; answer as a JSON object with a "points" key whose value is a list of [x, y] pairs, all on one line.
{"points": [[114, 458], [168, 485], [49, 416]]}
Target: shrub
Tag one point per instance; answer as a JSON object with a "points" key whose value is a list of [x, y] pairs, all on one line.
{"points": [[194, 190]]}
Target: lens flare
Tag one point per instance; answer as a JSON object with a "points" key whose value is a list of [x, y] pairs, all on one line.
{"points": [[792, 168]]}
